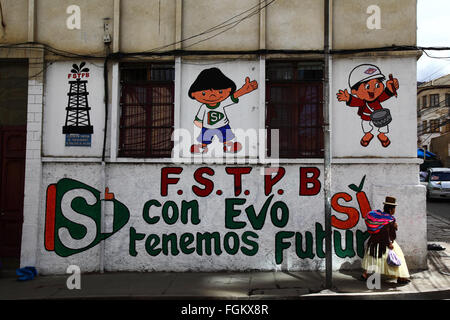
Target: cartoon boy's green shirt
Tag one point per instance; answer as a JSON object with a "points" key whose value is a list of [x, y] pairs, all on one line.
{"points": [[214, 117]]}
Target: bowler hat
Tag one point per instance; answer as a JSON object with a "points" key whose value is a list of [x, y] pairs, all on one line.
{"points": [[390, 201]]}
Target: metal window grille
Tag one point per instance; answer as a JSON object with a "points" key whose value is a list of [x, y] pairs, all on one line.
{"points": [[147, 110], [424, 126], [294, 106], [434, 125]]}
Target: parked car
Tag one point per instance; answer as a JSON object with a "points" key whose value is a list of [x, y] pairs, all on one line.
{"points": [[437, 181]]}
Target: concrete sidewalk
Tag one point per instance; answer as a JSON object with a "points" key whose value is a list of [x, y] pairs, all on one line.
{"points": [[433, 283], [430, 284]]}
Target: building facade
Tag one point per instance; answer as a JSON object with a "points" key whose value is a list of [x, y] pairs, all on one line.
{"points": [[441, 146], [433, 98], [184, 135]]}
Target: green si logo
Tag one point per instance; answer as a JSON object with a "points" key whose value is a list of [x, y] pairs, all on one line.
{"points": [[214, 117], [73, 217]]}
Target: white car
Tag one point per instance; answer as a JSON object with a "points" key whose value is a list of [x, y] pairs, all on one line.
{"points": [[438, 183]]}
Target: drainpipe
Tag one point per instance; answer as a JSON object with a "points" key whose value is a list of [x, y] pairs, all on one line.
{"points": [[116, 48], [103, 169], [31, 20], [327, 146]]}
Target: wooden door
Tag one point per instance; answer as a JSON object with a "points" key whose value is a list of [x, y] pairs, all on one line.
{"points": [[12, 178]]}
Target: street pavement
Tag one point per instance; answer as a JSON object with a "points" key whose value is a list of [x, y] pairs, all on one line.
{"points": [[433, 283], [440, 208]]}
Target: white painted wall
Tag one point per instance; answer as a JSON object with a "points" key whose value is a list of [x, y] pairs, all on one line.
{"points": [[142, 183], [56, 89], [389, 171], [346, 124], [243, 116]]}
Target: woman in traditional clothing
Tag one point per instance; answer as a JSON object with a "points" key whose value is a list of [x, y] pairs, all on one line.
{"points": [[382, 228]]}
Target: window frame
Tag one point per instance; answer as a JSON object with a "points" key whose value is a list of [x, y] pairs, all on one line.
{"points": [[434, 100], [296, 85], [433, 127], [424, 101], [424, 126], [148, 86]]}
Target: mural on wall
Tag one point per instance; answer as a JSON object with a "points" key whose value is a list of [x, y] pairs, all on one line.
{"points": [[78, 128], [215, 91], [367, 93], [73, 217]]}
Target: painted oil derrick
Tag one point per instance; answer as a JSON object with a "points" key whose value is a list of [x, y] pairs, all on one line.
{"points": [[77, 115]]}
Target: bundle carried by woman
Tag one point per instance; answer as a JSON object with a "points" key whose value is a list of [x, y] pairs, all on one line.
{"points": [[376, 220]]}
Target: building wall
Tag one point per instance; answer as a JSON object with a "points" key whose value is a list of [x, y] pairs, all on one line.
{"points": [[243, 242], [33, 168], [15, 17], [428, 113], [292, 208], [285, 19], [74, 219], [147, 25], [346, 126], [441, 146], [350, 24]]}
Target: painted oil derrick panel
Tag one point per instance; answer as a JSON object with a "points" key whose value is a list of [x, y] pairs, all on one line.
{"points": [[77, 115]]}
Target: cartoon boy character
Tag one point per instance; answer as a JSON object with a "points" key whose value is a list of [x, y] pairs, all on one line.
{"points": [[215, 92], [368, 91]]}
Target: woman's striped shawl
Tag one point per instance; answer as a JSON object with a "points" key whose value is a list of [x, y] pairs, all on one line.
{"points": [[376, 219]]}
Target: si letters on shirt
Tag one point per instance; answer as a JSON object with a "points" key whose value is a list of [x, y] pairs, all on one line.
{"points": [[213, 117]]}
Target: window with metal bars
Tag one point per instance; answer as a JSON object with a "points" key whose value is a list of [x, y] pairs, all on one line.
{"points": [[425, 126], [147, 110], [434, 125], [294, 104]]}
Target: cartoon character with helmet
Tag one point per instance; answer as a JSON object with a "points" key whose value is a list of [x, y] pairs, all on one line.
{"points": [[367, 93]]}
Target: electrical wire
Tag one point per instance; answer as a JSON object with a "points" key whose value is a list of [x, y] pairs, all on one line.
{"points": [[426, 129], [233, 25], [66, 54], [221, 28], [439, 68], [434, 57], [431, 133], [221, 25], [434, 108]]}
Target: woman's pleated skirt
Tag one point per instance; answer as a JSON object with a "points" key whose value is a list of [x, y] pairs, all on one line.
{"points": [[379, 265]]}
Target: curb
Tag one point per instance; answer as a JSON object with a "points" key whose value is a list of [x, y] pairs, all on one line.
{"points": [[407, 295], [292, 294]]}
